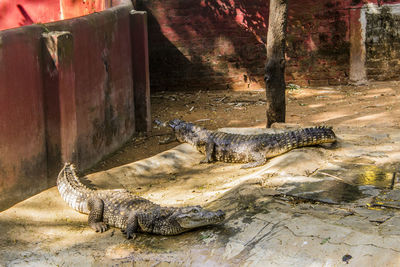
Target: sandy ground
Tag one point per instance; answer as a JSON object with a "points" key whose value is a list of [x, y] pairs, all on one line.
{"points": [[318, 206]]}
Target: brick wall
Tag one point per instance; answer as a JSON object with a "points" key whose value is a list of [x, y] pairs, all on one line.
{"points": [[317, 42], [220, 44], [197, 45]]}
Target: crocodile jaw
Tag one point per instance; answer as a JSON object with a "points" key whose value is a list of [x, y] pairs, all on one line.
{"points": [[194, 216]]}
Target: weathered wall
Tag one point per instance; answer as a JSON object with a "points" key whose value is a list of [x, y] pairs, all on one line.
{"points": [[210, 44], [67, 94], [23, 168], [382, 41], [103, 82]]}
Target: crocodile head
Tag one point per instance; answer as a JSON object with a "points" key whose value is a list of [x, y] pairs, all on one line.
{"points": [[176, 123], [195, 216], [188, 132]]}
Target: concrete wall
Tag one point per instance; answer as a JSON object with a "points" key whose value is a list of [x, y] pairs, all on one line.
{"points": [[207, 44], [101, 58], [23, 168], [67, 94]]}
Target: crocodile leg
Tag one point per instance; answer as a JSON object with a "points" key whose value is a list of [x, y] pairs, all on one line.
{"points": [[210, 147], [260, 159], [132, 226], [95, 220]]}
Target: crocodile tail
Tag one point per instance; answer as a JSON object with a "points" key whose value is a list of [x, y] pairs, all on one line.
{"points": [[308, 137], [72, 190]]}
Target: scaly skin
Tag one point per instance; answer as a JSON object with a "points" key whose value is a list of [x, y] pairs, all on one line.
{"points": [[131, 213], [251, 149]]}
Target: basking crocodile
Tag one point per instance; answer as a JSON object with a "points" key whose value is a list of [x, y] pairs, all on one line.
{"points": [[131, 213], [251, 149]]}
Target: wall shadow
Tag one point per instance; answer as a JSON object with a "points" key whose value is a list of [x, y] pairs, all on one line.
{"points": [[205, 45]]}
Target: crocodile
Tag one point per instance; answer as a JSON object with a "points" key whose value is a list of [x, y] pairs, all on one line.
{"points": [[130, 213], [254, 150]]}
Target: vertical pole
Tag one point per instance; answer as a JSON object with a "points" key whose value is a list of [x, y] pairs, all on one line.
{"points": [[275, 66]]}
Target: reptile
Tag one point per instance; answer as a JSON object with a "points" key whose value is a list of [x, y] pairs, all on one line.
{"points": [[254, 150], [130, 213]]}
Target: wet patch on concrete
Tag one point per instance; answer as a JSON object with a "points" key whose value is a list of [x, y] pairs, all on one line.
{"points": [[332, 192], [361, 174], [343, 183]]}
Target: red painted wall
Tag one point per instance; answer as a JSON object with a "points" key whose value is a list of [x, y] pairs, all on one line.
{"points": [[15, 13], [103, 82], [220, 44], [66, 94], [23, 168], [40, 11], [73, 8]]}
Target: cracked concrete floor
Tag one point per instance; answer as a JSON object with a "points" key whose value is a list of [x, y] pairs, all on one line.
{"points": [[316, 206]]}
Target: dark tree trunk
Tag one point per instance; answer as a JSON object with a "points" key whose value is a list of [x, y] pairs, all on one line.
{"points": [[275, 66]]}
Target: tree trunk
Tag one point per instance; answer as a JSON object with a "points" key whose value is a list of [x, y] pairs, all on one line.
{"points": [[275, 66]]}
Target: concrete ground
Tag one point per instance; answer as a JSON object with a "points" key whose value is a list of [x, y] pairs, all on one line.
{"points": [[316, 206]]}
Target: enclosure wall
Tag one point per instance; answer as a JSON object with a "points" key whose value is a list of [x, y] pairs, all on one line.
{"points": [[67, 94], [23, 168], [208, 44]]}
